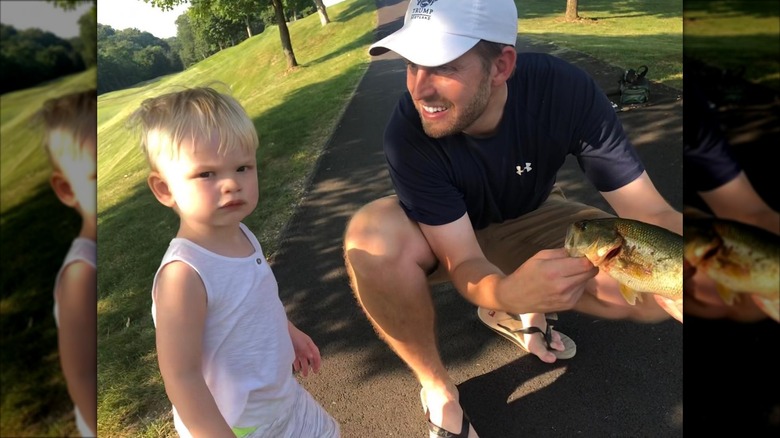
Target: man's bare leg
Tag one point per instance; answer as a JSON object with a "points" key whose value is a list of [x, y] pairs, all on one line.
{"points": [[387, 259]]}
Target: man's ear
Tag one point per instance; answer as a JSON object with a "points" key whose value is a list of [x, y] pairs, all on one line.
{"points": [[160, 189], [504, 65], [62, 189]]}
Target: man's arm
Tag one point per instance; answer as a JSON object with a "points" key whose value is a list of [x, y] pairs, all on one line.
{"points": [[550, 281], [181, 304], [77, 337], [737, 200], [641, 201]]}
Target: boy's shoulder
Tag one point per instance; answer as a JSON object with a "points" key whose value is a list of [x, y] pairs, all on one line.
{"points": [[81, 249]]}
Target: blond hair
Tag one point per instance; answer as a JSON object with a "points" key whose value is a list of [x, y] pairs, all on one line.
{"points": [[195, 113], [69, 122]]}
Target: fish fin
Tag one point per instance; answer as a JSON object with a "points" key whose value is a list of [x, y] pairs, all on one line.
{"points": [[769, 306], [629, 294], [728, 295]]}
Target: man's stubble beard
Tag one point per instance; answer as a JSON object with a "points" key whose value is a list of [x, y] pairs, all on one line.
{"points": [[462, 119]]}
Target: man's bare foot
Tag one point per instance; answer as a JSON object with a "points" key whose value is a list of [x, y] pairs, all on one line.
{"points": [[535, 341], [528, 332]]}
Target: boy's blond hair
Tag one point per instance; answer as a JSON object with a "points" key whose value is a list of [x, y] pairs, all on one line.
{"points": [[69, 122], [203, 113]]}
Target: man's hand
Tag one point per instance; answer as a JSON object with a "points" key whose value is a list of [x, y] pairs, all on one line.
{"points": [[550, 281]]}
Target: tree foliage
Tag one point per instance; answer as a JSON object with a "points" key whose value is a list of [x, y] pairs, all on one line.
{"points": [[87, 28], [130, 56], [32, 56], [71, 5], [222, 13]]}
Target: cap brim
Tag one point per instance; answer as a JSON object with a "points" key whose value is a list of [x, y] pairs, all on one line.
{"points": [[428, 49]]}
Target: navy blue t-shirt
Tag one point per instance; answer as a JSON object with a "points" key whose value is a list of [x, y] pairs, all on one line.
{"points": [[707, 158], [553, 109]]}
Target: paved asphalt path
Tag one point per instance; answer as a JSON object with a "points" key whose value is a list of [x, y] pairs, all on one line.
{"points": [[626, 379]]}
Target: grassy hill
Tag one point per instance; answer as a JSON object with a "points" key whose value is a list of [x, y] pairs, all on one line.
{"points": [[36, 233], [293, 111]]}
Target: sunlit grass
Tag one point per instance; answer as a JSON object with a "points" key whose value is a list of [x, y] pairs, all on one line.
{"points": [[736, 36], [625, 33]]}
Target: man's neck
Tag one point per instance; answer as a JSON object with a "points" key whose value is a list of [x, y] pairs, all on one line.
{"points": [[487, 124]]}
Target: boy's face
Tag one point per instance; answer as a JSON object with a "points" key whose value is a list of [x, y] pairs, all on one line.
{"points": [[207, 188], [75, 182]]}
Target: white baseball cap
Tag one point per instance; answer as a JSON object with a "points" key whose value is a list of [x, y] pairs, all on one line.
{"points": [[436, 32]]}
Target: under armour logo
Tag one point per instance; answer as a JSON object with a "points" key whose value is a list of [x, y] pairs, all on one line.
{"points": [[521, 169]]}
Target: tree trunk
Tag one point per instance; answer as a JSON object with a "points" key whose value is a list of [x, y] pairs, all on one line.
{"points": [[248, 29], [322, 12], [571, 10], [284, 34]]}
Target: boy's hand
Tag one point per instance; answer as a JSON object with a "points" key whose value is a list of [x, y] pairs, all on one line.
{"points": [[307, 355]]}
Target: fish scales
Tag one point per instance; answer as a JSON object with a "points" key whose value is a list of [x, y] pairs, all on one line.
{"points": [[740, 258], [642, 257]]}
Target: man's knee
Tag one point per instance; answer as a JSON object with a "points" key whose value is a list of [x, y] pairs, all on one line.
{"points": [[380, 235], [370, 228]]}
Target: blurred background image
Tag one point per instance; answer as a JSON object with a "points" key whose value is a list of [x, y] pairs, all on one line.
{"points": [[732, 131], [47, 50]]}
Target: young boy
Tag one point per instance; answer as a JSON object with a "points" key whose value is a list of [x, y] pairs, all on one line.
{"points": [[71, 144], [224, 344]]}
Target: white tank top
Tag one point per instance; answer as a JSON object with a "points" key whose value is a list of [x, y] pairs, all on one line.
{"points": [[247, 351]]}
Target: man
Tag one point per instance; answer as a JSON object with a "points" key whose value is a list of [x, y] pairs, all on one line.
{"points": [[717, 184], [473, 150]]}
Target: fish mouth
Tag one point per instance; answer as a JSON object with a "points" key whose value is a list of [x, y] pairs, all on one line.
{"points": [[611, 254]]}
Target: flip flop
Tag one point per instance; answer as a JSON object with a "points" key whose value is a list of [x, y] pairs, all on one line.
{"points": [[436, 431], [512, 328]]}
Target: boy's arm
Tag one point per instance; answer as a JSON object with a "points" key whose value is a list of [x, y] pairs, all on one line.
{"points": [[77, 337], [307, 355], [181, 303]]}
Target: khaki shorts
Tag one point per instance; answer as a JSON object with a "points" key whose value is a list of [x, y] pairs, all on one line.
{"points": [[510, 243]]}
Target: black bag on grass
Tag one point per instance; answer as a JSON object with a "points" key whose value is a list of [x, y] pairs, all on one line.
{"points": [[634, 86]]}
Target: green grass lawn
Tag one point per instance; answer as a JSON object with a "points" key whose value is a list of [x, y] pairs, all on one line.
{"points": [[36, 233], [736, 35], [625, 33]]}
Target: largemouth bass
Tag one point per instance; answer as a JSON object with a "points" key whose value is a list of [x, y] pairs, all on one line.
{"points": [[642, 257], [740, 258]]}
